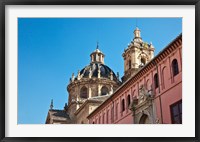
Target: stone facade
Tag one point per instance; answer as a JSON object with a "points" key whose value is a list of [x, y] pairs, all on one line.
{"points": [[88, 106], [92, 85]]}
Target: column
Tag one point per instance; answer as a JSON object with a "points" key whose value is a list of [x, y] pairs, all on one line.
{"points": [[89, 92], [99, 90]]}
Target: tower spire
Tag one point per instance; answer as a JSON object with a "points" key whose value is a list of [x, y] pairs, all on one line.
{"points": [[136, 22], [51, 106], [97, 45]]}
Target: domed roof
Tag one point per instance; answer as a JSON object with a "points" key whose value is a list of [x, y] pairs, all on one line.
{"points": [[105, 71], [97, 50]]}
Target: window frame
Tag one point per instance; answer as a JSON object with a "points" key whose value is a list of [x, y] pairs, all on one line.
{"points": [[128, 100], [81, 94], [175, 67], [156, 80], [176, 104]]}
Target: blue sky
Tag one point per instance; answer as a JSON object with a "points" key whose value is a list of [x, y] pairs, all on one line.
{"points": [[51, 49]]}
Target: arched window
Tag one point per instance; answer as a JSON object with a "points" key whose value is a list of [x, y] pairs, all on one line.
{"points": [[128, 100], [83, 92], [123, 105], [104, 90], [175, 67], [156, 83], [129, 64]]}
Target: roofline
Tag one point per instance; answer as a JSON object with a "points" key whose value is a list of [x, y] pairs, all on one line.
{"points": [[48, 115], [153, 60], [87, 101]]}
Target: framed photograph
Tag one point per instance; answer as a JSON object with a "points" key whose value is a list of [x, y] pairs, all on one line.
{"points": [[99, 71]]}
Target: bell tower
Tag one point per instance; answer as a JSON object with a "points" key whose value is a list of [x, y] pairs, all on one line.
{"points": [[136, 55]]}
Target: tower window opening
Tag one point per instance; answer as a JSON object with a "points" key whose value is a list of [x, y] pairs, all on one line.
{"points": [[129, 64], [143, 61]]}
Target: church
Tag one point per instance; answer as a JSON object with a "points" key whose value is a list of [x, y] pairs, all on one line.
{"points": [[150, 91]]}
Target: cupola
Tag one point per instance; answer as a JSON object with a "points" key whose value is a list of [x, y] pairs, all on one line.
{"points": [[97, 56]]}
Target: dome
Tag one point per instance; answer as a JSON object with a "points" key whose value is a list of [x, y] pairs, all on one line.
{"points": [[105, 71], [136, 28], [97, 50]]}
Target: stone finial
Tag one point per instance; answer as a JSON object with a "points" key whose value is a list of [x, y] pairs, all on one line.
{"points": [[79, 76], [118, 75], [65, 107], [151, 45], [111, 75], [51, 106], [73, 77]]}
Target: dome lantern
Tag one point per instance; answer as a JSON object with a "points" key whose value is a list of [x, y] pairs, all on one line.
{"points": [[97, 56], [137, 33]]}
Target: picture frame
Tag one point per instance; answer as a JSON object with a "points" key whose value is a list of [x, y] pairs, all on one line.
{"points": [[196, 3]]}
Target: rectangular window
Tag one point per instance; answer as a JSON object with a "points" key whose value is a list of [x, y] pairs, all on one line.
{"points": [[176, 112]]}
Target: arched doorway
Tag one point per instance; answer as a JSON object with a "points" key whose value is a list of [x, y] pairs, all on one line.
{"points": [[144, 119]]}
